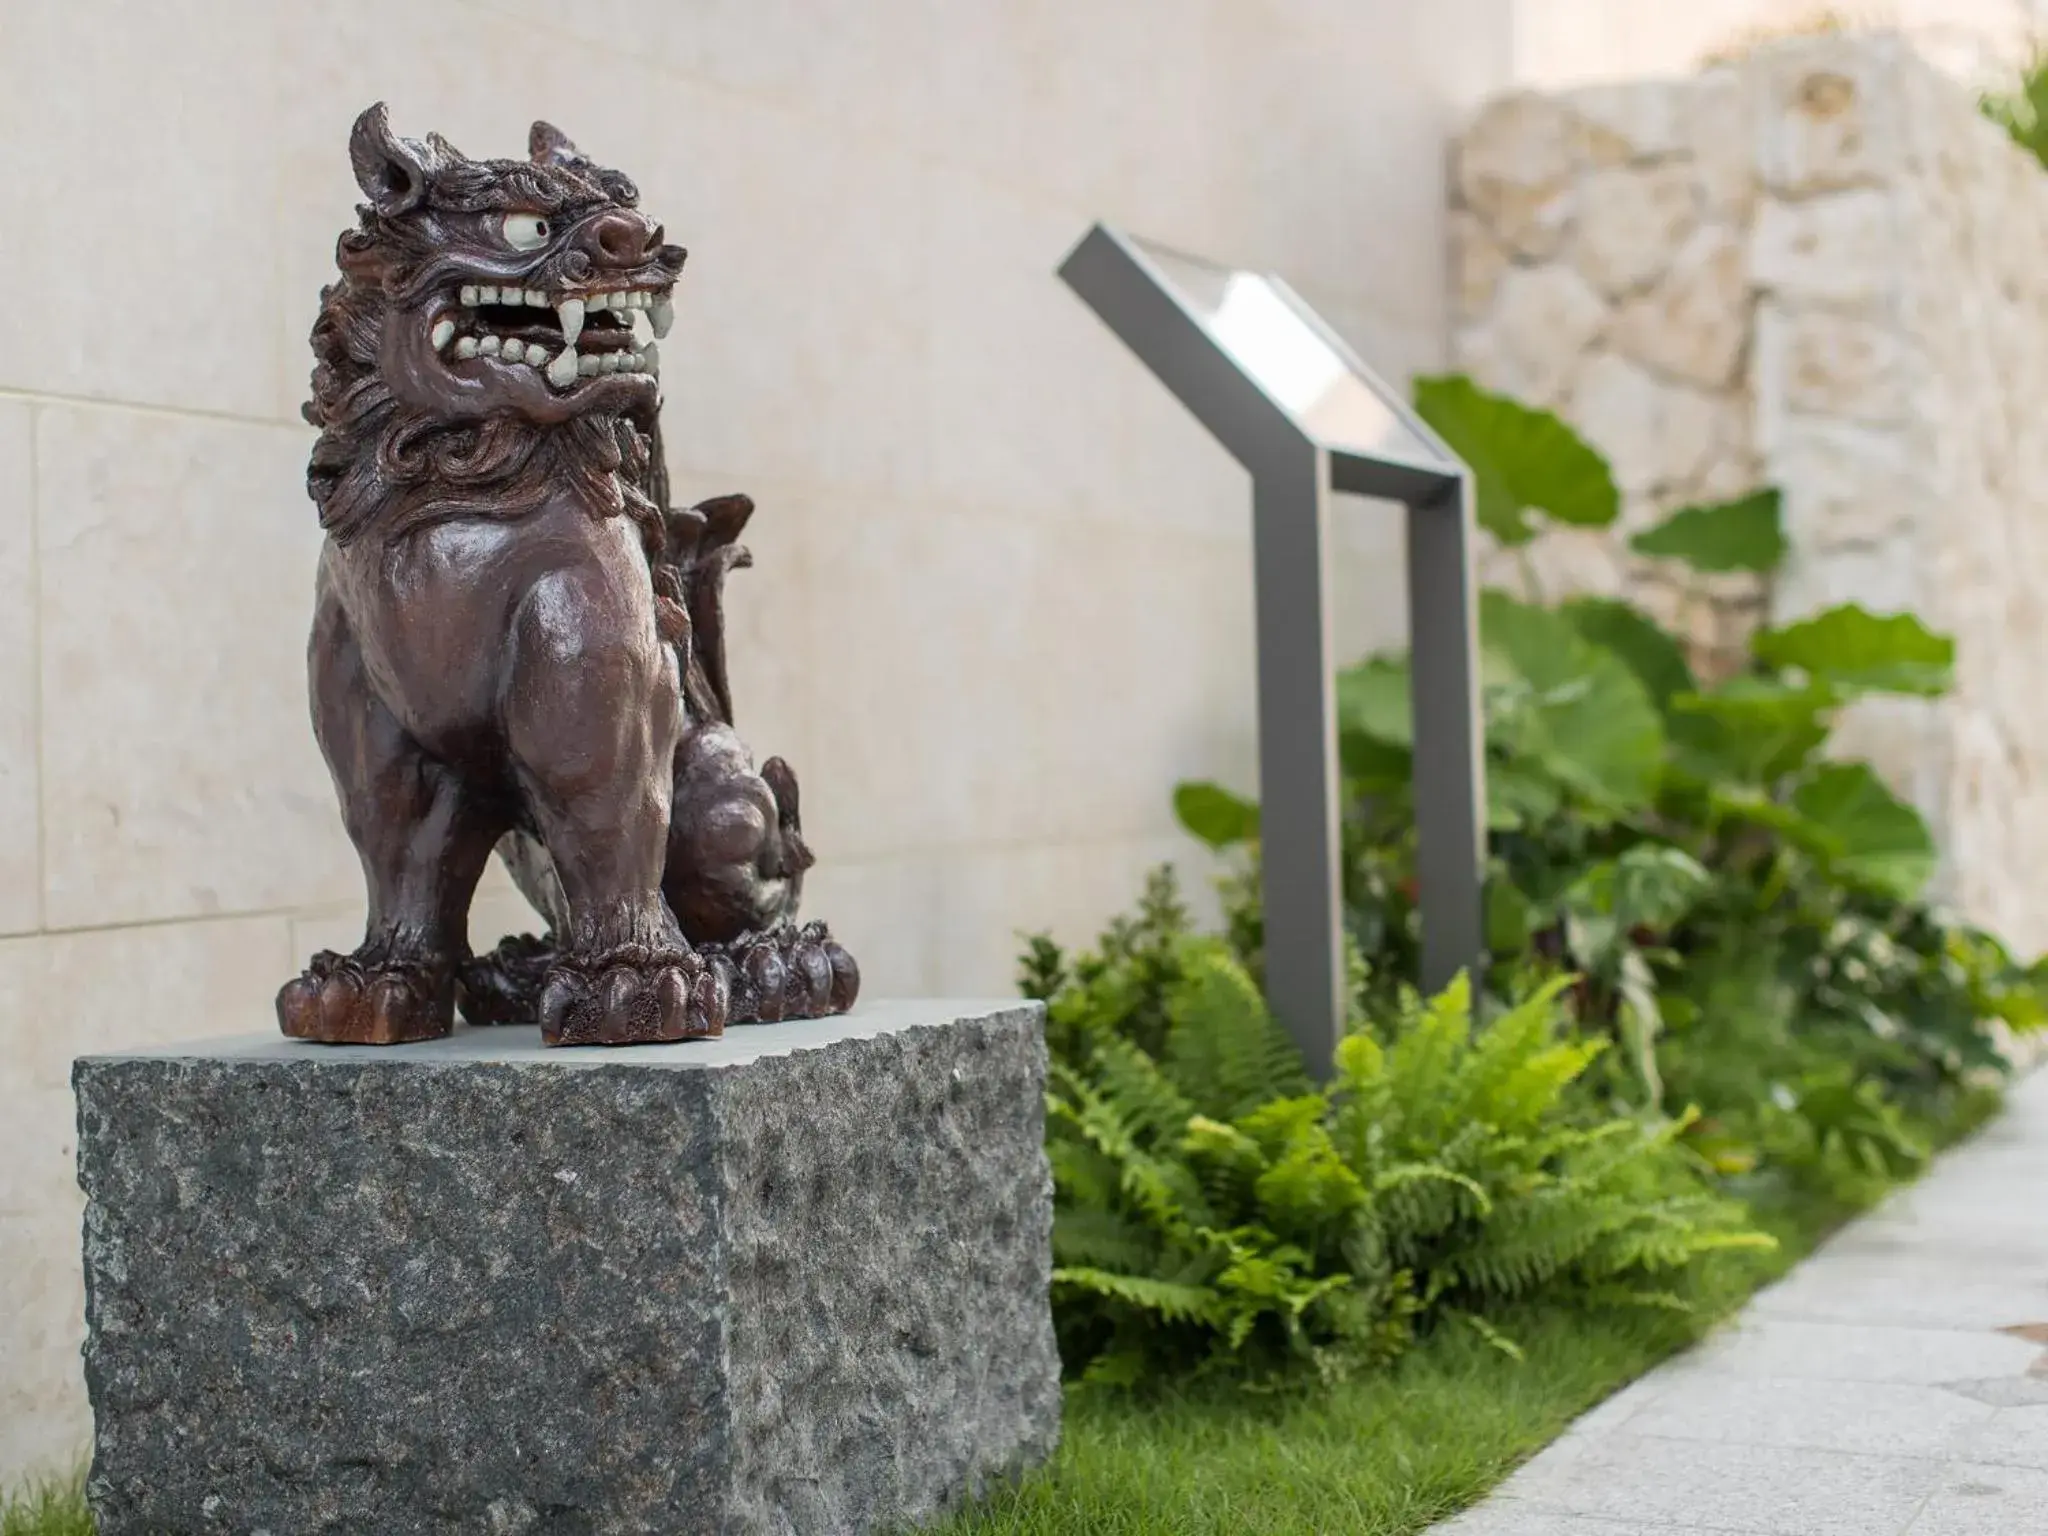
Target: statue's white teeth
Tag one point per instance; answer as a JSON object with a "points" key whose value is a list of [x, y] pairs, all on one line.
{"points": [[636, 317]]}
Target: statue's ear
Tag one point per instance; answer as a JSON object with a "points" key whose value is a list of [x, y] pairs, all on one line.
{"points": [[548, 145], [391, 171]]}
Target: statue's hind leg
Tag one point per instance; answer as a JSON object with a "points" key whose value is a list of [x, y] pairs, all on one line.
{"points": [[736, 863], [422, 842], [736, 860]]}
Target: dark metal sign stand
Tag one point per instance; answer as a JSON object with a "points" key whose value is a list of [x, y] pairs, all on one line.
{"points": [[1291, 402]]}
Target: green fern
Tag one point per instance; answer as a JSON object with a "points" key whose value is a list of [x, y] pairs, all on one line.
{"points": [[1093, 1237], [1224, 1049], [1217, 1212], [1171, 1301]]}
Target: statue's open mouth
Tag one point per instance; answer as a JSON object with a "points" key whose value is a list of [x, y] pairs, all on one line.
{"points": [[566, 337]]}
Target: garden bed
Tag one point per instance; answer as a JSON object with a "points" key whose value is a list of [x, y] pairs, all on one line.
{"points": [[1386, 1455], [1719, 1015]]}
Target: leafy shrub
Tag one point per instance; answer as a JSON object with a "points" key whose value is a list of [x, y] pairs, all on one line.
{"points": [[2022, 111], [1216, 1210], [1744, 912]]}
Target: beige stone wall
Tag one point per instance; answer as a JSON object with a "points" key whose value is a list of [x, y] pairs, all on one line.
{"points": [[1561, 43], [1003, 591], [1601, 256], [1819, 269]]}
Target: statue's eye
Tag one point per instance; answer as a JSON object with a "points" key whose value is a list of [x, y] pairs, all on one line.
{"points": [[525, 231]]}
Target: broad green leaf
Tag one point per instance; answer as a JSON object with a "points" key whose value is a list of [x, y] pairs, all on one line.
{"points": [[1375, 726], [1648, 886], [1582, 715], [1656, 658], [1754, 730], [1373, 767], [1853, 648], [1641, 1022], [1741, 535], [1522, 460], [1510, 919], [1215, 815], [1873, 838], [1655, 885], [1373, 699], [1748, 803], [1518, 795]]}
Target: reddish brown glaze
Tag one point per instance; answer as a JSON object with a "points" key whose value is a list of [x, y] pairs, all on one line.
{"points": [[518, 644]]}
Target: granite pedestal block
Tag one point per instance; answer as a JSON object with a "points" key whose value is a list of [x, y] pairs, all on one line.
{"points": [[794, 1280]]}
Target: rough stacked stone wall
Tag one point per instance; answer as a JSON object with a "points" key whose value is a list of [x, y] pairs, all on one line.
{"points": [[1601, 242], [1818, 268], [1962, 523]]}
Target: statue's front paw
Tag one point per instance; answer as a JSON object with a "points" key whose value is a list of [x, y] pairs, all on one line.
{"points": [[634, 995], [339, 1000]]}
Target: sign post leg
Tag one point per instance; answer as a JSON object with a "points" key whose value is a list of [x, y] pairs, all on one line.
{"points": [[1450, 763], [1298, 784]]}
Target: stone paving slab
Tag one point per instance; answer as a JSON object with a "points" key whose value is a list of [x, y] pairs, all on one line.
{"points": [[1506, 1517], [1878, 1390]]}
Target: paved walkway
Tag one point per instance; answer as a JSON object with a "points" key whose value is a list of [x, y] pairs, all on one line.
{"points": [[1895, 1384]]}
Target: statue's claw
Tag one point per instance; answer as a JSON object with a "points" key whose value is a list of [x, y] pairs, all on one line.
{"points": [[790, 973], [634, 995], [340, 1000]]}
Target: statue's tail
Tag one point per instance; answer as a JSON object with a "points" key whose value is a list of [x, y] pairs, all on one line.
{"points": [[702, 547]]}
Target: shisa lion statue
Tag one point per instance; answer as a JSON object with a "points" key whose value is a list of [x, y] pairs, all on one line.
{"points": [[518, 644]]}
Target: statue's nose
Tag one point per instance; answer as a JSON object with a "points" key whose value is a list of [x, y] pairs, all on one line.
{"points": [[619, 237]]}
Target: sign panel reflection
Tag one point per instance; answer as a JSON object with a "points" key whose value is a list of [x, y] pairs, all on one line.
{"points": [[1298, 365]]}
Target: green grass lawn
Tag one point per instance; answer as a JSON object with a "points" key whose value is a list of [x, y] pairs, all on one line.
{"points": [[1383, 1455], [46, 1509], [1391, 1453]]}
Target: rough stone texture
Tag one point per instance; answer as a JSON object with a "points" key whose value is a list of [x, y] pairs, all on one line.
{"points": [[790, 1281], [1693, 324], [1514, 169], [1634, 321], [1894, 1384], [1629, 219], [1834, 287]]}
